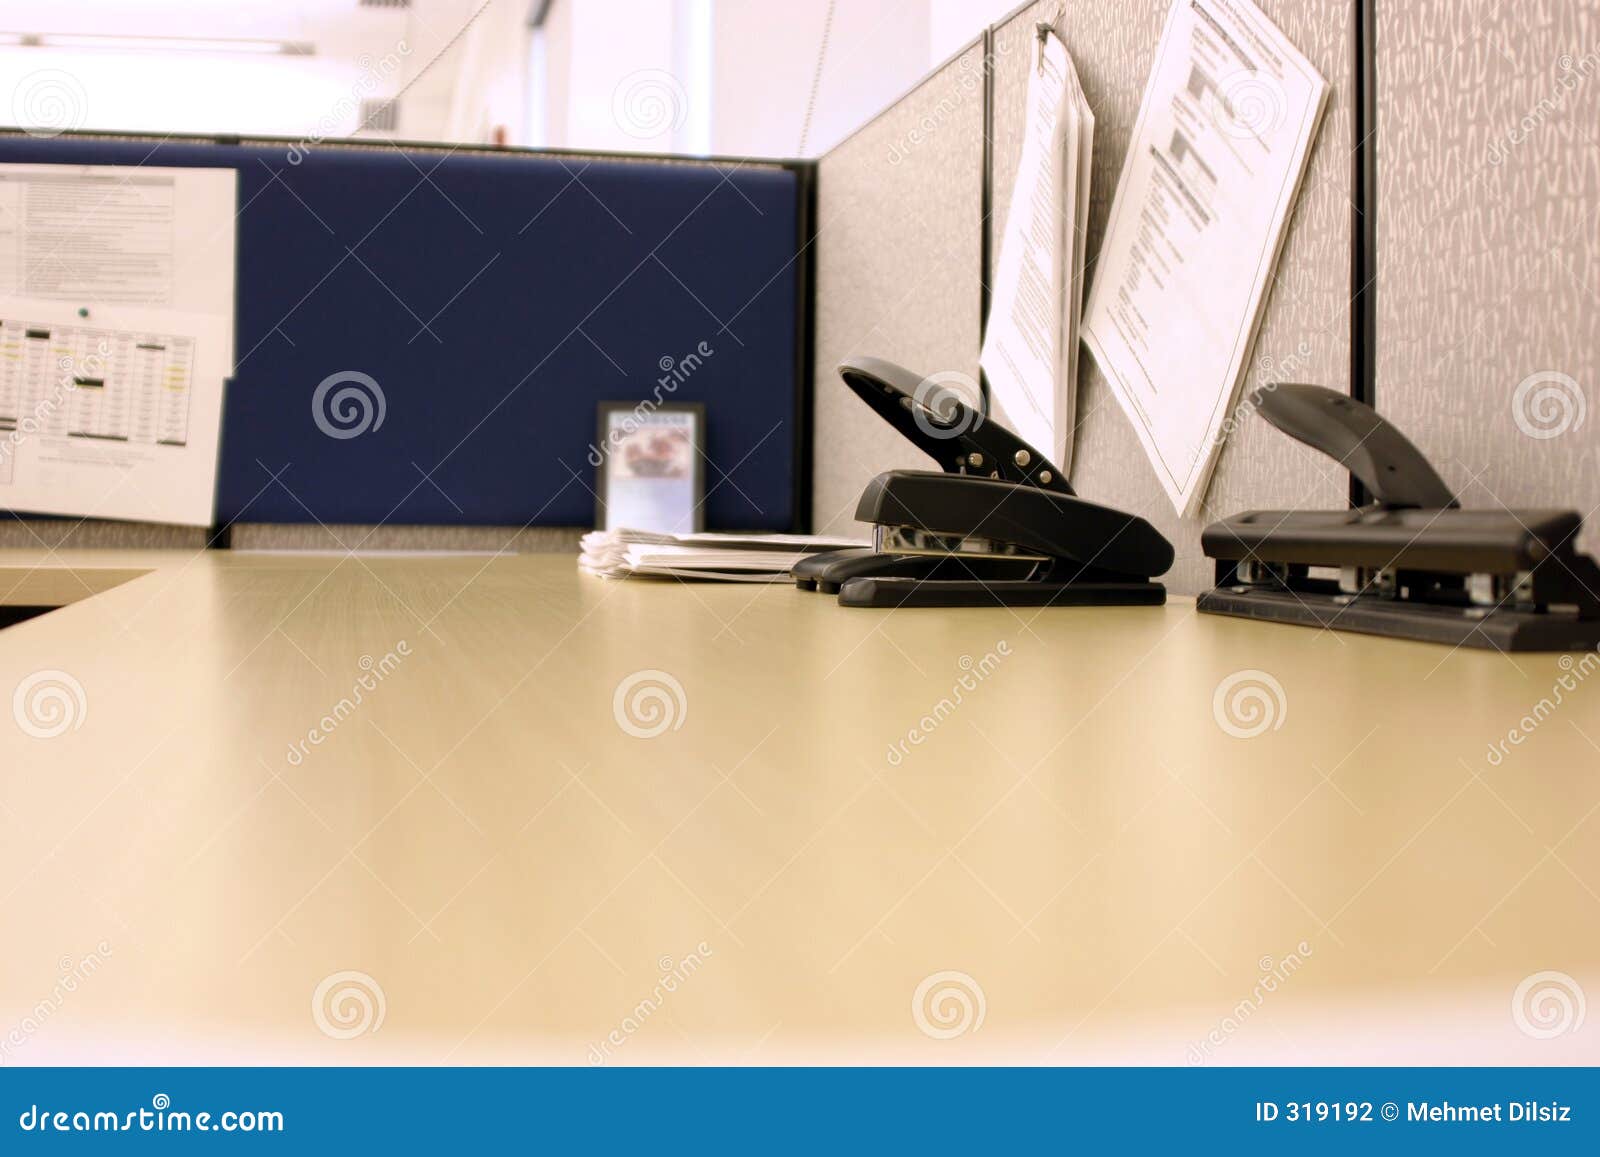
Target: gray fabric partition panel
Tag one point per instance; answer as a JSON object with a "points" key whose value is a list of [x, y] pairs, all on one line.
{"points": [[1488, 246], [1305, 331], [93, 534], [898, 270]]}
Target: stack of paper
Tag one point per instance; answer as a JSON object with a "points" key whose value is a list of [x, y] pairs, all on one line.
{"points": [[724, 557], [1030, 347]]}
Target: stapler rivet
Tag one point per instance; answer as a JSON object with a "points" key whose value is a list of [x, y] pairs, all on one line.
{"points": [[974, 459], [1044, 477], [1021, 458]]}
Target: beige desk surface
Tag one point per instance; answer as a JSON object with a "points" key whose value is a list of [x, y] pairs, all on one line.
{"points": [[1107, 871]]}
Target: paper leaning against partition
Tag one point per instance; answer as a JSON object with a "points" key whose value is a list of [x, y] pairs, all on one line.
{"points": [[1030, 345], [1213, 168]]}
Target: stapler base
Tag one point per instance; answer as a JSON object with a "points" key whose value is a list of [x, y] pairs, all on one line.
{"points": [[1503, 629], [910, 592]]}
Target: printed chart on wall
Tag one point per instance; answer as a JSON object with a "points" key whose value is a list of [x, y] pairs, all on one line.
{"points": [[1201, 208], [116, 338]]}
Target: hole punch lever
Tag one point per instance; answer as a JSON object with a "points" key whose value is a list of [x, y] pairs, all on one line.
{"points": [[1357, 437]]}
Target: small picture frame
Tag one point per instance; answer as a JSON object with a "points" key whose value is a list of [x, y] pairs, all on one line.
{"points": [[649, 464]]}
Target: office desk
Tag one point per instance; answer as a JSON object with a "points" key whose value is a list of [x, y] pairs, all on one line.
{"points": [[1081, 843]]}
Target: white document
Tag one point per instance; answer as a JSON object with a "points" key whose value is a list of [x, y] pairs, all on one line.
{"points": [[91, 235], [116, 338], [118, 418], [1030, 346], [1213, 168]]}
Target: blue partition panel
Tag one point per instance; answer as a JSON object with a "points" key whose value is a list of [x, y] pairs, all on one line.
{"points": [[495, 299]]}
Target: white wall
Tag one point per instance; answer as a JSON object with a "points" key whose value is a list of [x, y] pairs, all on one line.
{"points": [[952, 24], [688, 76], [765, 55], [762, 56], [357, 53]]}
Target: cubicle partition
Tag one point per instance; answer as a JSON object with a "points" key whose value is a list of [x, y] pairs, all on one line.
{"points": [[1443, 260], [493, 299], [899, 267], [1488, 244]]}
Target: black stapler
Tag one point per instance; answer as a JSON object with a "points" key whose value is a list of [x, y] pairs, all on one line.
{"points": [[1412, 563], [1000, 526]]}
